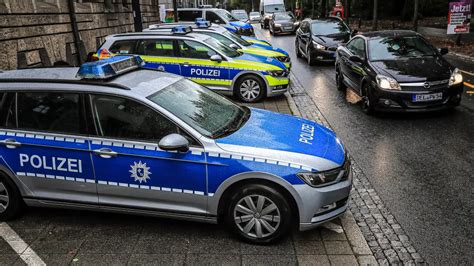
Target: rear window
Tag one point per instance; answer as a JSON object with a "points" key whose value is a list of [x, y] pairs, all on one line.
{"points": [[46, 111], [189, 15]]}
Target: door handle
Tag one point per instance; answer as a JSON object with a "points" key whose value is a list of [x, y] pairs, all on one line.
{"points": [[185, 64], [105, 153], [10, 143]]}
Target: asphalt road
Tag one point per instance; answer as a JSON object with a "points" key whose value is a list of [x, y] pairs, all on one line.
{"points": [[421, 165]]}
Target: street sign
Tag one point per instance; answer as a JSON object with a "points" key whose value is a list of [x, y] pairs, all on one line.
{"points": [[459, 17]]}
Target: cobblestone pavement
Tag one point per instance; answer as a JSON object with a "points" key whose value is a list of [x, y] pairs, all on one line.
{"points": [[61, 237], [385, 237]]}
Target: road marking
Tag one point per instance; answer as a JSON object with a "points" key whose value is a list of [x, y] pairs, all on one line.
{"points": [[466, 72], [19, 246], [333, 227], [467, 84]]}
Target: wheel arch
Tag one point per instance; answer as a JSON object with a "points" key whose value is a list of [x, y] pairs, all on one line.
{"points": [[7, 173], [224, 191]]}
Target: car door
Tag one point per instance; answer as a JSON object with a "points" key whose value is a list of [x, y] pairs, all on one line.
{"points": [[354, 70], [130, 168], [305, 37], [44, 142], [159, 54], [196, 64]]}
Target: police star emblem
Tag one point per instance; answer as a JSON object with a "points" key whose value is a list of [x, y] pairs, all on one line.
{"points": [[140, 172]]}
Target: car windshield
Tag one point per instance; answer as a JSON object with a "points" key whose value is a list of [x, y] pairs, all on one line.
{"points": [[207, 112], [240, 15], [226, 14], [392, 48], [274, 8], [283, 16], [226, 50], [329, 27], [254, 14], [236, 38]]}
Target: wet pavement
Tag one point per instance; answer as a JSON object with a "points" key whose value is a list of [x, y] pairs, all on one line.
{"points": [[421, 165]]}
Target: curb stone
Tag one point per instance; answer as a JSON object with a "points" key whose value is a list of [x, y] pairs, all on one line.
{"points": [[373, 232]]}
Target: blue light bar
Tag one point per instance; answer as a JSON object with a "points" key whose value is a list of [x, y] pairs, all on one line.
{"points": [[203, 24], [200, 19], [181, 29], [110, 67]]}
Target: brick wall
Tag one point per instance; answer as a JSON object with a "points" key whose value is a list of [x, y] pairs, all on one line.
{"points": [[39, 32]]}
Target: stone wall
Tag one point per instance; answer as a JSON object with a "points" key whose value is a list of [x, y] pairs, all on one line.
{"points": [[39, 32]]}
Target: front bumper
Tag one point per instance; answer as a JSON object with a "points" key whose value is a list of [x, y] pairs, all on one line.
{"points": [[285, 29], [323, 55], [402, 101], [277, 86], [320, 205]]}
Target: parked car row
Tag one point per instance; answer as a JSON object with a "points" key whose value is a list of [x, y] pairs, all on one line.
{"points": [[397, 70], [121, 135]]}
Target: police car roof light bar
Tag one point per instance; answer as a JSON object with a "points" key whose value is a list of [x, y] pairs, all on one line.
{"points": [[110, 67], [182, 29], [203, 24]]}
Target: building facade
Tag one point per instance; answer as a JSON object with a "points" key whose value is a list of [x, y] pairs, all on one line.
{"points": [[36, 33]]}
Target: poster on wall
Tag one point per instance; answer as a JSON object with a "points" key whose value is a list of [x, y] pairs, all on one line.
{"points": [[459, 17]]}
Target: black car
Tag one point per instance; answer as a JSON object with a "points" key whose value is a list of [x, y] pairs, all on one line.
{"points": [[398, 71], [318, 39], [283, 22]]}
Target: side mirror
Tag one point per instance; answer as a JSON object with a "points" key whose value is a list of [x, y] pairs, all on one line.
{"points": [[443, 51], [174, 142], [356, 59], [234, 46], [261, 13], [216, 58]]}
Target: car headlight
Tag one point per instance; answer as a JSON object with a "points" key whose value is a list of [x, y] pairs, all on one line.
{"points": [[297, 23], [456, 77], [387, 83], [326, 178], [277, 25], [319, 46], [278, 73]]}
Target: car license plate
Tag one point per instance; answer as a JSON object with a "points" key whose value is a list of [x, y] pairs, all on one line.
{"points": [[287, 28], [427, 97]]}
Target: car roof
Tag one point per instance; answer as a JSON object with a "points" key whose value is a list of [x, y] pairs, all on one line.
{"points": [[136, 81], [169, 26], [151, 33], [325, 19], [389, 33]]}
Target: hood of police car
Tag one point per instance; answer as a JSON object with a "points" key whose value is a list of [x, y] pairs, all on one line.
{"points": [[270, 48], [261, 59], [285, 138], [240, 24]]}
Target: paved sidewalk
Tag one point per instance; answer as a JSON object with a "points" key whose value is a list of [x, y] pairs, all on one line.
{"points": [[384, 235]]}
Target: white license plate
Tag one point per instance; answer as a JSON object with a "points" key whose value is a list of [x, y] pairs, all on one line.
{"points": [[427, 97]]}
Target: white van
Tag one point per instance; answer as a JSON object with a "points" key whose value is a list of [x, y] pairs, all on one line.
{"points": [[267, 8]]}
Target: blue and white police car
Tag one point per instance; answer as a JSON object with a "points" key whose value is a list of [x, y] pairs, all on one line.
{"points": [[113, 136]]}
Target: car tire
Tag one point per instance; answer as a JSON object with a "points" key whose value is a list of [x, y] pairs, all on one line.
{"points": [[258, 214], [297, 49], [250, 89], [367, 103], [340, 80], [309, 58], [11, 203]]}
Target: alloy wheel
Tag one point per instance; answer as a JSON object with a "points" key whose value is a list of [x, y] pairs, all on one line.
{"points": [[250, 89], [257, 216], [4, 198]]}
